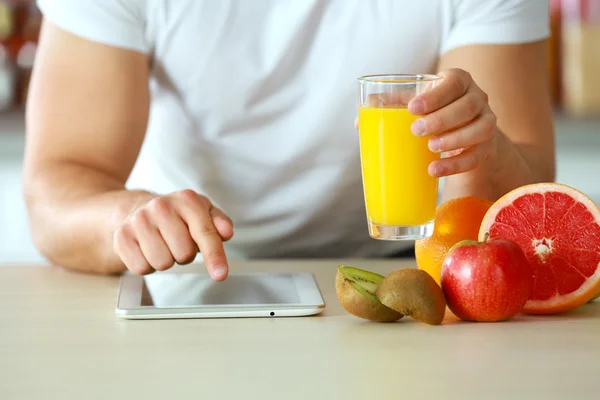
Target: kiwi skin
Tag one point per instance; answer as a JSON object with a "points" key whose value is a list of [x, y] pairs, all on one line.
{"points": [[361, 306], [415, 293]]}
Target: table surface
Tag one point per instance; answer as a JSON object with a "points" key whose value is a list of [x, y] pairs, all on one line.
{"points": [[60, 338]]}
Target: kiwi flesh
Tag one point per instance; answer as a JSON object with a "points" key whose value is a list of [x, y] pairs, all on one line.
{"points": [[355, 289], [415, 293]]}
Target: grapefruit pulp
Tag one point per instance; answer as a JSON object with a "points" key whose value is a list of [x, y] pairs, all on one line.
{"points": [[558, 228]]}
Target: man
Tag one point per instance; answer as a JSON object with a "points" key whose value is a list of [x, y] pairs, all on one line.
{"points": [[156, 127]]}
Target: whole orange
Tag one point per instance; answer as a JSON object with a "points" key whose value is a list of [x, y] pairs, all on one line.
{"points": [[455, 220]]}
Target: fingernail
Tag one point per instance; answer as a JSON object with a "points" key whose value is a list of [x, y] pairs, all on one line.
{"points": [[219, 271], [416, 107], [435, 144], [417, 127]]}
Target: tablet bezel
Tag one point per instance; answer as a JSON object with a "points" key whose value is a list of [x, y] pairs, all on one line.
{"points": [[310, 301]]}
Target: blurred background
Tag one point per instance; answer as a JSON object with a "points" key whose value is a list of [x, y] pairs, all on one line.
{"points": [[574, 81]]}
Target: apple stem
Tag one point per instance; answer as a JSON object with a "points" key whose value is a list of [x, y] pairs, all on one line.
{"points": [[485, 237]]}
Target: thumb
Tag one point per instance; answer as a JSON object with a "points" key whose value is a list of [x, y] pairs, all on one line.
{"points": [[223, 223]]}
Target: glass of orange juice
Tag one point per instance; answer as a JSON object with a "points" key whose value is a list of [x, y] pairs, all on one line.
{"points": [[400, 195]]}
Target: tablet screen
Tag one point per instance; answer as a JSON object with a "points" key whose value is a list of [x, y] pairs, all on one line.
{"points": [[189, 290]]}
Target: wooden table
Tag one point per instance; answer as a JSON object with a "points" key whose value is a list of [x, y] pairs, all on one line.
{"points": [[60, 338]]}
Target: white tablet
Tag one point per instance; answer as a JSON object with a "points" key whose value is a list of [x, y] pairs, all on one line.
{"points": [[196, 295]]}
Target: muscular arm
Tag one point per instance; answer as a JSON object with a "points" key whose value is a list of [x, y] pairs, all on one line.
{"points": [[86, 120], [514, 78]]}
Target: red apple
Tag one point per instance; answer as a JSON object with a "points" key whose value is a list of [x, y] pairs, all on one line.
{"points": [[486, 281]]}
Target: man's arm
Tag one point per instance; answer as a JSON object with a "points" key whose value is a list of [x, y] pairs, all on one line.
{"points": [[515, 81], [86, 121]]}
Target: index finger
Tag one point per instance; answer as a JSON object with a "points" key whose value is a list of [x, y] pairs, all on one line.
{"points": [[196, 213], [454, 85]]}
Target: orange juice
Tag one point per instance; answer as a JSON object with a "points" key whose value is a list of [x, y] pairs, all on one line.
{"points": [[398, 189]]}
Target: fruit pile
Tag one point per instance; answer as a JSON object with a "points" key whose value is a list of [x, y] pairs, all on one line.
{"points": [[536, 250]]}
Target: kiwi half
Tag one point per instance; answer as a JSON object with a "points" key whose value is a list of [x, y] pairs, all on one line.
{"points": [[355, 289], [415, 293]]}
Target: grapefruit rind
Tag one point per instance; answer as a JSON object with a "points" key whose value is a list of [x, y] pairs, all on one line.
{"points": [[559, 304], [591, 287]]}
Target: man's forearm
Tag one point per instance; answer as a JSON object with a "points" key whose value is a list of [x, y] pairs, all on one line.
{"points": [[74, 212], [514, 165]]}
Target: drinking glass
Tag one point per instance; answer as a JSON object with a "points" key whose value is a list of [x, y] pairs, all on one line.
{"points": [[400, 195]]}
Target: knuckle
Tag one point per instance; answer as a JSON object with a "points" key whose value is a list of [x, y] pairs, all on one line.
{"points": [[472, 105], [204, 202], [457, 80], [121, 243], [462, 75], [485, 97], [185, 255], [204, 233], [140, 219], [117, 245], [159, 206], [494, 120], [187, 194], [120, 235], [139, 268], [466, 75], [163, 264], [436, 123], [208, 229], [190, 197]]}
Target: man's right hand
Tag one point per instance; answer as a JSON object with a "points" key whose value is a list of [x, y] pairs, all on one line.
{"points": [[173, 229], [86, 123]]}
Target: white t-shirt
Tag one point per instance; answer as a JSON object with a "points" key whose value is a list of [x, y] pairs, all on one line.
{"points": [[253, 102]]}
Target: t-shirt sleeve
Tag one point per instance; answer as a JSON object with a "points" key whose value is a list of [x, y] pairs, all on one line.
{"points": [[496, 22], [118, 23]]}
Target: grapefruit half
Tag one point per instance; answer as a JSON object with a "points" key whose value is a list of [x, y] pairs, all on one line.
{"points": [[558, 228]]}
